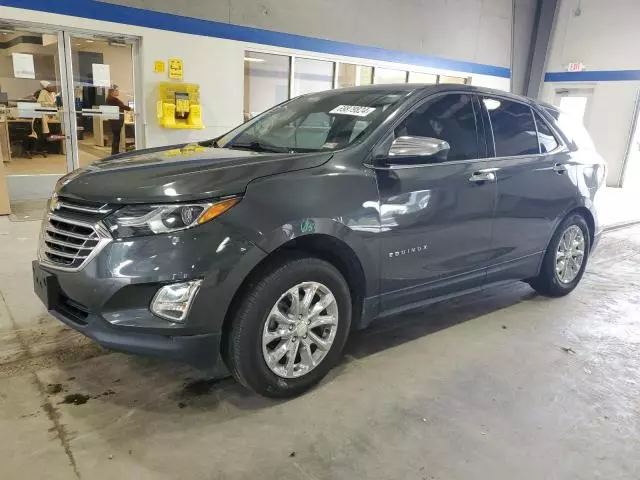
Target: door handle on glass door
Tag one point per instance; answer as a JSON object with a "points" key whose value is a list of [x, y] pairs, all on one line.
{"points": [[560, 168], [487, 175]]}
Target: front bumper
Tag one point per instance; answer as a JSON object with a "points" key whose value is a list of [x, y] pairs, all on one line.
{"points": [[197, 350], [108, 299]]}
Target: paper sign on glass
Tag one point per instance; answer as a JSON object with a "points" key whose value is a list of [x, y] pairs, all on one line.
{"points": [[354, 110], [23, 65], [101, 75]]}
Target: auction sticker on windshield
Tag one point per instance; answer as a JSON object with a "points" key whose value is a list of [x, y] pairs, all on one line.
{"points": [[354, 110]]}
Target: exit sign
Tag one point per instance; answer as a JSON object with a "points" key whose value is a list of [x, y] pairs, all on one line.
{"points": [[575, 67]]}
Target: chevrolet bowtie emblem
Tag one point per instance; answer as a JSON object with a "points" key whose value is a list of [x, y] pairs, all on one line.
{"points": [[54, 203]]}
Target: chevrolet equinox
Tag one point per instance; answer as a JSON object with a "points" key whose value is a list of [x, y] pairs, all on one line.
{"points": [[267, 245]]}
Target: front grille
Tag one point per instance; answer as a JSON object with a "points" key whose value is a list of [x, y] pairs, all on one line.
{"points": [[73, 234], [73, 206]]}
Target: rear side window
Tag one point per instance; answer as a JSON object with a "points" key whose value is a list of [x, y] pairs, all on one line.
{"points": [[514, 130], [546, 138], [450, 118], [573, 129]]}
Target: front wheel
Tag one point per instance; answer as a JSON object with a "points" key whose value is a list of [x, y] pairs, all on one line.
{"points": [[565, 259], [290, 328]]}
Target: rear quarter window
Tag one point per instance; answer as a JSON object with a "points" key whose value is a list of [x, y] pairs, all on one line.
{"points": [[573, 129]]}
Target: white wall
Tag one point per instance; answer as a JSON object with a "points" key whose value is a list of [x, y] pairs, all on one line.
{"points": [[472, 30], [604, 36], [216, 64]]}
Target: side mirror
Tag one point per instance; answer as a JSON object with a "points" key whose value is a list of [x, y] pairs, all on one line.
{"points": [[432, 149]]}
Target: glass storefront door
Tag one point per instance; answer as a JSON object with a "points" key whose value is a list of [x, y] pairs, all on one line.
{"points": [[32, 114], [66, 100], [103, 92]]}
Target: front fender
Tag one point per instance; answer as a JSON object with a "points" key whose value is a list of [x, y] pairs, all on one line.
{"points": [[301, 227], [341, 203]]}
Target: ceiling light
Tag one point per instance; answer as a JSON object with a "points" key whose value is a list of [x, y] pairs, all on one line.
{"points": [[253, 59], [491, 103]]}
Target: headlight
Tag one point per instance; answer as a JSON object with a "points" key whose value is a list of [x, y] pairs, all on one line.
{"points": [[140, 220]]}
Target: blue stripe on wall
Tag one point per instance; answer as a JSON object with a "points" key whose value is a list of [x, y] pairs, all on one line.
{"points": [[593, 76], [176, 23]]}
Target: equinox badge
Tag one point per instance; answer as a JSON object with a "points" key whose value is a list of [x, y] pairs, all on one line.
{"points": [[398, 253]]}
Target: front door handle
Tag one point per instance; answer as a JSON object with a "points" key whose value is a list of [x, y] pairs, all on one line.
{"points": [[487, 175], [560, 168]]}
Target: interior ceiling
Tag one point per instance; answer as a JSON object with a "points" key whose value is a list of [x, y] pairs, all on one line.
{"points": [[83, 44]]}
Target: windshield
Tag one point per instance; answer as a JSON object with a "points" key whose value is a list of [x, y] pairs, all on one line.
{"points": [[316, 122]]}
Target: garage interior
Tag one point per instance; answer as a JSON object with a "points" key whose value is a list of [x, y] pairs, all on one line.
{"points": [[497, 384]]}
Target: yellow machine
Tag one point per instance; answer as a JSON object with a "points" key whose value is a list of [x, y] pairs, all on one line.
{"points": [[179, 105]]}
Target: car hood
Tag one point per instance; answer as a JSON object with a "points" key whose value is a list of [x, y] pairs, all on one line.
{"points": [[179, 173]]}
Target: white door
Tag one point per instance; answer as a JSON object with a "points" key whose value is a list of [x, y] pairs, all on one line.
{"points": [[575, 102], [630, 177]]}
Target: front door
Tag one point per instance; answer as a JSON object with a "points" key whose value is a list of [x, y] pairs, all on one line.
{"points": [[436, 214]]}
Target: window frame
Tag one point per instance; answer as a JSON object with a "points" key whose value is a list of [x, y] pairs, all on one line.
{"points": [[492, 154], [553, 133], [249, 51], [295, 82], [376, 158]]}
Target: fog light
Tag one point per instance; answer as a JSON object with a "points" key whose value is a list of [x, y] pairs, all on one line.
{"points": [[172, 302]]}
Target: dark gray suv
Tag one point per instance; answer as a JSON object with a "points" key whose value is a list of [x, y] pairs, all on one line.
{"points": [[268, 245]]}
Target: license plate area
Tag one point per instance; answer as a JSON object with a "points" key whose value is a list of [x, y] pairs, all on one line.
{"points": [[45, 285]]}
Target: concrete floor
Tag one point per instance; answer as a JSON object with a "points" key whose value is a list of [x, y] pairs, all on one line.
{"points": [[499, 385]]}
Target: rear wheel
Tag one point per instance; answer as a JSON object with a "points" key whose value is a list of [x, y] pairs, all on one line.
{"points": [[565, 259], [290, 328]]}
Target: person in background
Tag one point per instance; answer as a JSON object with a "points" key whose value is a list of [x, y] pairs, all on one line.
{"points": [[116, 125], [47, 94], [47, 98]]}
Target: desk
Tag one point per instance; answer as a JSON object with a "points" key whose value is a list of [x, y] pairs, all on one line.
{"points": [[20, 128], [101, 125]]}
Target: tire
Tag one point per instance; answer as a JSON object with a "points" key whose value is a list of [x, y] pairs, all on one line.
{"points": [[246, 352], [549, 281]]}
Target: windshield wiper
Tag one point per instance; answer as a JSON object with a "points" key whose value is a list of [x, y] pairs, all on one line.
{"points": [[259, 147], [210, 143]]}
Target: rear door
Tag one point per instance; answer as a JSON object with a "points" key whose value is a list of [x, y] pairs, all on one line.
{"points": [[435, 213], [536, 185]]}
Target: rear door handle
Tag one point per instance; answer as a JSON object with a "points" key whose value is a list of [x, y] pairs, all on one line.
{"points": [[486, 175], [560, 168]]}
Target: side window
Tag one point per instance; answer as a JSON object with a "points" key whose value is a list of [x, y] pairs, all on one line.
{"points": [[573, 129], [450, 118], [546, 138], [514, 130]]}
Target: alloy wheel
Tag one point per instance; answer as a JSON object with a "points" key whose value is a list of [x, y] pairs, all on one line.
{"points": [[300, 329], [570, 254]]}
